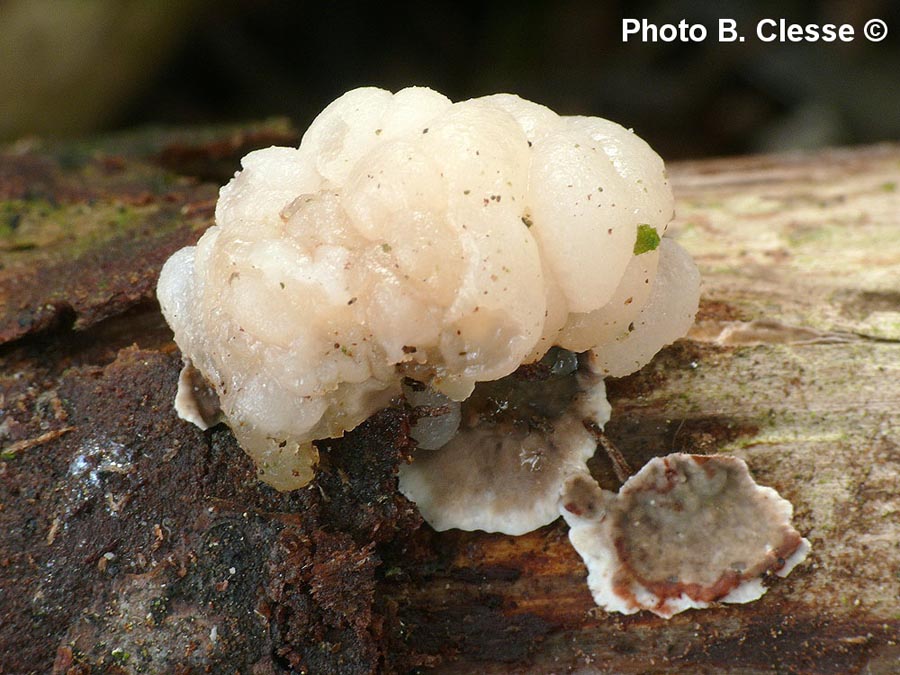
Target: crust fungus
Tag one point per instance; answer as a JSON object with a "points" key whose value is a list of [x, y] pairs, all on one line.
{"points": [[519, 441], [684, 532], [196, 402]]}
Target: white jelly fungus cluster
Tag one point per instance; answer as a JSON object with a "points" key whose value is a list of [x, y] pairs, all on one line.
{"points": [[416, 247], [409, 236]]}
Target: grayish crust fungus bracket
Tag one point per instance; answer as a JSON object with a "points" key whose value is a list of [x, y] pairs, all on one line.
{"points": [[195, 401], [506, 475], [684, 532]]}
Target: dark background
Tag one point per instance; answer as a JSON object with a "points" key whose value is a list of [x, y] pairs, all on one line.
{"points": [[199, 62]]}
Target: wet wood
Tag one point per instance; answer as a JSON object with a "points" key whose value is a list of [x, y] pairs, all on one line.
{"points": [[793, 365]]}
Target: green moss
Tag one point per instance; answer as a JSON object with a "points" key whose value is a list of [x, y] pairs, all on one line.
{"points": [[120, 656], [40, 229], [647, 239]]}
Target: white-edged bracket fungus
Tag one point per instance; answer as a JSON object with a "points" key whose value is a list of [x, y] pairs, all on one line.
{"points": [[418, 247], [684, 532], [505, 474]]}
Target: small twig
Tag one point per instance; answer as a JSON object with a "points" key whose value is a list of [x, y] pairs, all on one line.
{"points": [[54, 528], [675, 435], [12, 450], [620, 465]]}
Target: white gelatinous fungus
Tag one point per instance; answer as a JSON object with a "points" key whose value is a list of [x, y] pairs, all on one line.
{"points": [[684, 532], [435, 417], [666, 315], [409, 237], [416, 246]]}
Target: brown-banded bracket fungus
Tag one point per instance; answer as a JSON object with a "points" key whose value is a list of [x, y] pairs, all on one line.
{"points": [[685, 531], [416, 247]]}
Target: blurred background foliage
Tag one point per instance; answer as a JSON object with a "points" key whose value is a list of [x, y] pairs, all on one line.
{"points": [[72, 67]]}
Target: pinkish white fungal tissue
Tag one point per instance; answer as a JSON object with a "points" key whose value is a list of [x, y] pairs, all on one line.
{"points": [[488, 261], [412, 237]]}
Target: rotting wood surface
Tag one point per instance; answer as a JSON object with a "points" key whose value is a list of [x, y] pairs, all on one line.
{"points": [[132, 542]]}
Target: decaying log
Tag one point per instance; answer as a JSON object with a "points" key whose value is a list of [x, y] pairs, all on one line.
{"points": [[132, 542]]}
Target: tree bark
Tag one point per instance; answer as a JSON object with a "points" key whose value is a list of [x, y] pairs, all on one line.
{"points": [[132, 542]]}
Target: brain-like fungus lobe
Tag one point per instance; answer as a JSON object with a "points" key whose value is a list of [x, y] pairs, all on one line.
{"points": [[489, 262], [409, 237]]}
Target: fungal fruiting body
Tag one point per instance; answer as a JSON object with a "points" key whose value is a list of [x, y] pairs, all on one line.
{"points": [[518, 442], [412, 237], [417, 247], [683, 532]]}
